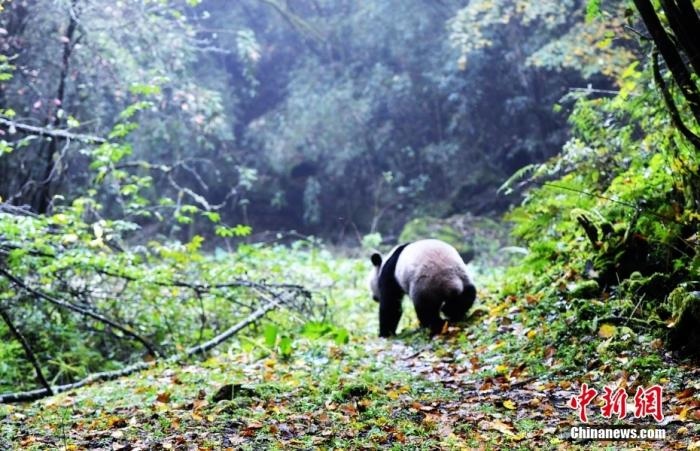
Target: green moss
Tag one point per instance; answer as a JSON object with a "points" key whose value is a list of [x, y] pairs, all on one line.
{"points": [[655, 286], [683, 303], [585, 289], [684, 306]]}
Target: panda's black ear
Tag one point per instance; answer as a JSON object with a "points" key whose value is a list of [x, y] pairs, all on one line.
{"points": [[376, 259]]}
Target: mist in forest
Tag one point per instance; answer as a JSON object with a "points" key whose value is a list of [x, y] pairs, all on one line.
{"points": [[328, 117]]}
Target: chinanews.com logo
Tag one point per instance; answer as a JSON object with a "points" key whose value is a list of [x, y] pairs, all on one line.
{"points": [[648, 402]]}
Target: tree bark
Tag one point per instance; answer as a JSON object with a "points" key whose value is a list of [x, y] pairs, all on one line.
{"points": [[683, 25], [46, 183], [670, 104], [673, 59]]}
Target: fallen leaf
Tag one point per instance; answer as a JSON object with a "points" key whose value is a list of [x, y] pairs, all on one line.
{"points": [[499, 426], [688, 392], [508, 404], [163, 397], [607, 331], [683, 416], [501, 369], [254, 425], [116, 422]]}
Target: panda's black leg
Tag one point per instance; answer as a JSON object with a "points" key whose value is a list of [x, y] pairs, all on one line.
{"points": [[428, 313], [389, 316]]}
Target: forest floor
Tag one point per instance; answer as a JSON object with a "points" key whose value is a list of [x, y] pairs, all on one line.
{"points": [[497, 381]]}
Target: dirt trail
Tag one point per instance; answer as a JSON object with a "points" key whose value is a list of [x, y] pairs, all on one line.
{"points": [[509, 406]]}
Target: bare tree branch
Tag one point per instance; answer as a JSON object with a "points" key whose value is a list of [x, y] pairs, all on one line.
{"points": [[19, 283], [668, 50], [670, 104], [95, 377], [228, 333], [50, 132], [28, 352]]}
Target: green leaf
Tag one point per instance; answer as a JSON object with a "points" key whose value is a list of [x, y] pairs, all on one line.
{"points": [[593, 10], [285, 346], [270, 333], [144, 89]]}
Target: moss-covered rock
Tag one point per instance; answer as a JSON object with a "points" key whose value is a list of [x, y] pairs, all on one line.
{"points": [[585, 289], [685, 313], [653, 287]]}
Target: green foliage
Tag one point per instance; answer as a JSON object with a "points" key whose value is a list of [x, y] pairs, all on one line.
{"points": [[593, 10], [6, 68], [371, 241], [293, 117], [420, 228], [237, 231], [607, 222]]}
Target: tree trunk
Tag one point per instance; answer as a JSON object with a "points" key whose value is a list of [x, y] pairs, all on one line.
{"points": [[46, 183], [686, 28], [670, 53]]}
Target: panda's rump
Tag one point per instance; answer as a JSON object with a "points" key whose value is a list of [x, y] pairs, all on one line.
{"points": [[431, 264]]}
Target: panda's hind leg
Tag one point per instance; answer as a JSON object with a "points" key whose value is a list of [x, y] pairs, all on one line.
{"points": [[428, 312], [456, 307]]}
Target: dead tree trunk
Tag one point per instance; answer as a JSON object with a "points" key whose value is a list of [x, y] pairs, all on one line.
{"points": [[46, 184]]}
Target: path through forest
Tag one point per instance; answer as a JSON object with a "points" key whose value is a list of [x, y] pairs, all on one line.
{"points": [[451, 392]]}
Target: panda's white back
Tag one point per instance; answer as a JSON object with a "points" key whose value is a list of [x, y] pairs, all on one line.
{"points": [[434, 260]]}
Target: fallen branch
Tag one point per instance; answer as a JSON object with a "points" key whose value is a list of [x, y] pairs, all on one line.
{"points": [[85, 312], [28, 352], [228, 333], [53, 133], [109, 375], [22, 210], [96, 377]]}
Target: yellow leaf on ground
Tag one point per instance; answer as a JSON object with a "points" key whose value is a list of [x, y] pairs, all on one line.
{"points": [[607, 331], [499, 426], [508, 404], [501, 369], [683, 416]]}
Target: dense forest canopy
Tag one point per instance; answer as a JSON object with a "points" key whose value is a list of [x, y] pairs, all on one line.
{"points": [[189, 178], [321, 116]]}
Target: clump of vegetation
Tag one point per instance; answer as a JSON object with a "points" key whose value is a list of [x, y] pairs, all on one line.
{"points": [[614, 218]]}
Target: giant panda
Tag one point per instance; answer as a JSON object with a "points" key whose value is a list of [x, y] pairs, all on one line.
{"points": [[433, 275]]}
